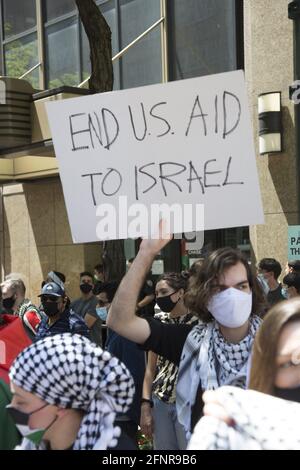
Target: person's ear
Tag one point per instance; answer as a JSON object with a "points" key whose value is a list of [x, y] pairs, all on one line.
{"points": [[61, 412], [181, 293]]}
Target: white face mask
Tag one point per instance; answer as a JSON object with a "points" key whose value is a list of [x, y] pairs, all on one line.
{"points": [[231, 307]]}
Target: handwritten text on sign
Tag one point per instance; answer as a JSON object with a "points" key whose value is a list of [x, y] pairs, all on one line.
{"points": [[183, 144]]}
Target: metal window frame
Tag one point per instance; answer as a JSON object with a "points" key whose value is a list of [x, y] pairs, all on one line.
{"points": [[40, 11], [1, 39], [79, 48], [15, 37], [164, 41], [118, 41], [239, 29]]}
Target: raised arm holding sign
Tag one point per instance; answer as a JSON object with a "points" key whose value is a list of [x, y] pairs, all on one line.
{"points": [[121, 317]]}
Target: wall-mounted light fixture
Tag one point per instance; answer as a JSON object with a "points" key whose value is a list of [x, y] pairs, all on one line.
{"points": [[269, 116]]}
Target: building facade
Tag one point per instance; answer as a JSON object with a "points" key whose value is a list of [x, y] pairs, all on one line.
{"points": [[44, 46]]}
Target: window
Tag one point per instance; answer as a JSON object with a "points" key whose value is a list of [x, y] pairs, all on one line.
{"points": [[61, 43], [18, 17], [19, 35], [56, 8], [20, 56], [202, 39], [141, 65]]}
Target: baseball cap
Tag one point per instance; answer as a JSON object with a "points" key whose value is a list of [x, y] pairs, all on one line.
{"points": [[51, 288]]}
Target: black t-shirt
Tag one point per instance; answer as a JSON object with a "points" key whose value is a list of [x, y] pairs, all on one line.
{"points": [[147, 289], [168, 340], [275, 296]]}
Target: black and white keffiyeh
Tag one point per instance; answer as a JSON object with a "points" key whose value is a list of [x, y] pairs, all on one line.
{"points": [[207, 358], [69, 371], [261, 422]]}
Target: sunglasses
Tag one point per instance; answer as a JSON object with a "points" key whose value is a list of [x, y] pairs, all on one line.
{"points": [[51, 298]]}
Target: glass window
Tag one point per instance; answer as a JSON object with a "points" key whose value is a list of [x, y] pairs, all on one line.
{"points": [[62, 54], [202, 37], [141, 65], [56, 8], [18, 16], [20, 56]]}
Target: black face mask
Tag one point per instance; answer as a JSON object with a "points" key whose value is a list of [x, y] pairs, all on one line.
{"points": [[22, 419], [19, 417], [9, 302], [166, 304], [86, 288], [50, 309], [291, 394]]}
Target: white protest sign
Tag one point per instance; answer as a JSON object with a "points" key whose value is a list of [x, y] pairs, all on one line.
{"points": [[187, 145]]}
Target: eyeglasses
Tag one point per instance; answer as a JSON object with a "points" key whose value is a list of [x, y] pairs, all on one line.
{"points": [[51, 298]]}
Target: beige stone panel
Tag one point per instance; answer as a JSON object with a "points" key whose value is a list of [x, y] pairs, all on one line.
{"points": [[6, 169], [62, 228], [277, 172], [40, 125], [70, 261], [270, 240], [16, 261], [30, 166], [268, 45], [12, 189], [277, 180], [269, 67], [93, 255], [15, 216], [40, 203], [42, 260]]}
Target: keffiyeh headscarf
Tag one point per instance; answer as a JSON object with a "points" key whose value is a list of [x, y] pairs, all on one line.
{"points": [[262, 422], [208, 358], [69, 371]]}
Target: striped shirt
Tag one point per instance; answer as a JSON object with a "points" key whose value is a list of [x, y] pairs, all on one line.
{"points": [[164, 384]]}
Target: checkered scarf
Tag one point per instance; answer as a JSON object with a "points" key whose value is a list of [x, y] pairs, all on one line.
{"points": [[71, 372], [261, 422], [208, 359]]}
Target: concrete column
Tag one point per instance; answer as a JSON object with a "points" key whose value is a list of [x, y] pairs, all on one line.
{"points": [[269, 67]]}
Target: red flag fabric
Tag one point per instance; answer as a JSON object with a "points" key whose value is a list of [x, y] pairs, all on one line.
{"points": [[13, 339]]}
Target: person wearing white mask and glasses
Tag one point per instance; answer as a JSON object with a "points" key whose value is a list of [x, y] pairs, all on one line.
{"points": [[266, 417], [226, 298]]}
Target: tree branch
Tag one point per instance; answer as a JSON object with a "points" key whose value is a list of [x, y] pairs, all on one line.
{"points": [[99, 36]]}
